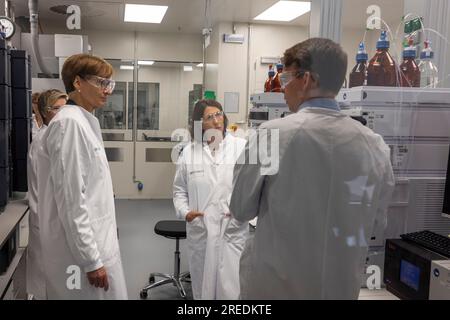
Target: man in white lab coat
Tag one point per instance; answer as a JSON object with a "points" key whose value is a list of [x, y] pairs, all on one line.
{"points": [[319, 202], [79, 238], [48, 104]]}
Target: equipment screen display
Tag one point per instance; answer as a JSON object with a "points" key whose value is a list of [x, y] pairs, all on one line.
{"points": [[410, 275], [259, 115]]}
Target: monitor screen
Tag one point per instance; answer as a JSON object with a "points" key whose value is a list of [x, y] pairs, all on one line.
{"points": [[410, 275]]}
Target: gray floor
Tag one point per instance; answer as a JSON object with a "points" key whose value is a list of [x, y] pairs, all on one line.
{"points": [[143, 251]]}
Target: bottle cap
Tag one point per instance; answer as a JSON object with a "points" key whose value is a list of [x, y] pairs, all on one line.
{"points": [[427, 52], [362, 55], [383, 42], [410, 51]]}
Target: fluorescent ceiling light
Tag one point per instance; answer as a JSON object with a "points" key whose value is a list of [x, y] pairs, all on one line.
{"points": [[200, 65], [145, 62], [144, 13], [126, 67], [285, 11], [188, 68]]}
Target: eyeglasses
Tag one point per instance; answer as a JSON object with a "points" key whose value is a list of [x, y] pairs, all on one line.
{"points": [[107, 85], [216, 115], [288, 76], [54, 108]]}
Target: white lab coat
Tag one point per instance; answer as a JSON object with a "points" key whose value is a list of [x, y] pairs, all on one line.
{"points": [[35, 273], [203, 183], [317, 212], [77, 212]]}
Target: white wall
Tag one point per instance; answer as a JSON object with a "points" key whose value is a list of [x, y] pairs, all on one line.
{"points": [[270, 41], [212, 61], [232, 73]]}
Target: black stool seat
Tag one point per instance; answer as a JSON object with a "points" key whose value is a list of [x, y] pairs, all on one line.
{"points": [[171, 229]]}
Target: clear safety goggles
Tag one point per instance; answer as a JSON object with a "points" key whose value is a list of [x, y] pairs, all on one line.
{"points": [[53, 108], [216, 115], [288, 76], [105, 84]]}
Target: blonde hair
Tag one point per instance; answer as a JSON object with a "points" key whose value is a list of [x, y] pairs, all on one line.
{"points": [[48, 98], [83, 65], [35, 97]]}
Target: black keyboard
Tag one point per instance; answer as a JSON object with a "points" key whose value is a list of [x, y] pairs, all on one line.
{"points": [[430, 240]]}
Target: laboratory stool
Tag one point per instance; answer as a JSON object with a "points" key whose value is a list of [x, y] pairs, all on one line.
{"points": [[172, 229]]}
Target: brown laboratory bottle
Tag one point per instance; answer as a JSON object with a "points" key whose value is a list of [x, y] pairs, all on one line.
{"points": [[382, 69], [358, 76], [268, 83], [276, 83], [410, 71]]}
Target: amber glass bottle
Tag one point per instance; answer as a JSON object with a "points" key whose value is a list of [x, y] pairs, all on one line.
{"points": [[382, 67], [358, 76]]}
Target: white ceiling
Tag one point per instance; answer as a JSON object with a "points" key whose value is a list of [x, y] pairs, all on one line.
{"points": [[188, 16]]}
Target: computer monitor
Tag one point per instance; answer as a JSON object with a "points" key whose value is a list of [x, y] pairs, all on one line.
{"points": [[446, 205]]}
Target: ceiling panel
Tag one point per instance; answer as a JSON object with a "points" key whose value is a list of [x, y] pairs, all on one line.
{"points": [[188, 16]]}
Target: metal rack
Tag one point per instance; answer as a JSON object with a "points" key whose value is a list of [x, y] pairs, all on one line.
{"points": [[10, 220]]}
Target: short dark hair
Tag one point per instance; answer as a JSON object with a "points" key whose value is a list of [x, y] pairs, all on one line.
{"points": [[83, 65], [323, 57], [199, 110]]}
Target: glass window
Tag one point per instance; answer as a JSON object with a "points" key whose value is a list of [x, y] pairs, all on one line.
{"points": [[111, 116], [147, 106]]}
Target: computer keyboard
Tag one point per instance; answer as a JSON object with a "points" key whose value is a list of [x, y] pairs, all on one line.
{"points": [[430, 240]]}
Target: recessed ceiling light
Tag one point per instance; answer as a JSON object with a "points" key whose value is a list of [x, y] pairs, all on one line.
{"points": [[146, 62], [200, 65], [285, 11], [144, 13], [188, 68], [126, 67]]}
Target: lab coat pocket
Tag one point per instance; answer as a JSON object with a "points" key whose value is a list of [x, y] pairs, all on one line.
{"points": [[100, 160], [236, 232], [196, 223], [195, 229], [196, 173]]}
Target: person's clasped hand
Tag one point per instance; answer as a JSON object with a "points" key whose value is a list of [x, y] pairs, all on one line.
{"points": [[99, 278], [192, 215]]}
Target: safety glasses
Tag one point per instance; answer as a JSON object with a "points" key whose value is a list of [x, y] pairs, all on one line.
{"points": [[107, 85], [288, 76], [216, 115], [54, 108]]}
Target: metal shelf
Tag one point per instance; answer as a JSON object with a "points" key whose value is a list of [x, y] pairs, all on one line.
{"points": [[10, 218], [7, 276]]}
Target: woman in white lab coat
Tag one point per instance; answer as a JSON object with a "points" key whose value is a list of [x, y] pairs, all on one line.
{"points": [[48, 104], [79, 239], [201, 194]]}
